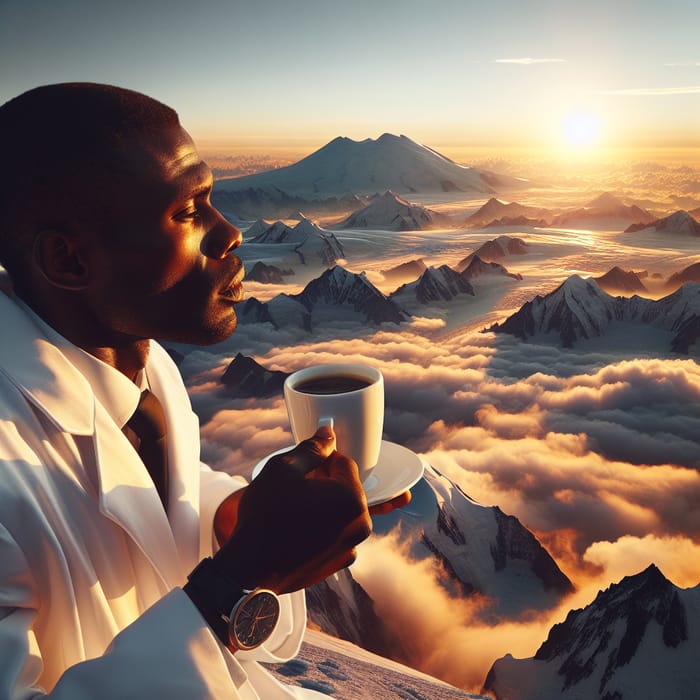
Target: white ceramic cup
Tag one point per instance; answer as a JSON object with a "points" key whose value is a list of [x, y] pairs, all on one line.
{"points": [[356, 414]]}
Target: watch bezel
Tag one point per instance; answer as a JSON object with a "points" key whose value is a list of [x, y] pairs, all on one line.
{"points": [[262, 596]]}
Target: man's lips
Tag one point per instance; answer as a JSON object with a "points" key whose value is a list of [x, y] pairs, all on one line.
{"points": [[234, 291]]}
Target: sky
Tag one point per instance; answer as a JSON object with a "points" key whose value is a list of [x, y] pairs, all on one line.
{"points": [[296, 73]]}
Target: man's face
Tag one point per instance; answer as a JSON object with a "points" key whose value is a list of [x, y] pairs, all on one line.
{"points": [[162, 267]]}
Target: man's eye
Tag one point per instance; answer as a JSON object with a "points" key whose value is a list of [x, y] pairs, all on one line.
{"points": [[187, 214]]}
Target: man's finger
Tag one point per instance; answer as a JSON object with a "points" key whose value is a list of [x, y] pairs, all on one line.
{"points": [[311, 453]]}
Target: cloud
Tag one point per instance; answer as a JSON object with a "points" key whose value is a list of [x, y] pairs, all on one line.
{"points": [[598, 456], [654, 92], [527, 61]]}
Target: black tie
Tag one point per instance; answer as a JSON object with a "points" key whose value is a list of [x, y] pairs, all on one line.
{"points": [[148, 425]]}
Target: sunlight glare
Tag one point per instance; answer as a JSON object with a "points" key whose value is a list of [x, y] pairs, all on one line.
{"points": [[581, 129]]}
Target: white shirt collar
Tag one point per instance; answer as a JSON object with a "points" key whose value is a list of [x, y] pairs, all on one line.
{"points": [[116, 392]]}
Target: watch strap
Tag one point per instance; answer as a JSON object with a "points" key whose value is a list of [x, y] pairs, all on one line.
{"points": [[215, 595]]}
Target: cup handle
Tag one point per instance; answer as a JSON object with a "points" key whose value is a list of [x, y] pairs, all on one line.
{"points": [[325, 420]]}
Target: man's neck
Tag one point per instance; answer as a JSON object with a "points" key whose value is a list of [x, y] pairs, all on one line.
{"points": [[127, 355]]}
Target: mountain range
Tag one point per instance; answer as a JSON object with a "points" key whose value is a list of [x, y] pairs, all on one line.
{"points": [[579, 309], [310, 243], [638, 640]]}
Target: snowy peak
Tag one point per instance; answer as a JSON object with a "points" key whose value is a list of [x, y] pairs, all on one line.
{"points": [[604, 210], [580, 309], [245, 378], [495, 210], [627, 644], [435, 284], [373, 165], [391, 212], [337, 295], [680, 223], [479, 268]]}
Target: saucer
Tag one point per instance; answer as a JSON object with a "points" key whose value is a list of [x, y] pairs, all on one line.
{"points": [[397, 470]]}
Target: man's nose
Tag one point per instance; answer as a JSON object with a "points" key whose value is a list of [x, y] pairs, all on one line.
{"points": [[223, 238]]}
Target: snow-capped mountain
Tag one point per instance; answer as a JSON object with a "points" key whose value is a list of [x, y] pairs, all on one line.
{"points": [[607, 210], [619, 281], [495, 210], [390, 162], [478, 549], [485, 551], [435, 284], [680, 223], [311, 243], [638, 640], [336, 295], [393, 213], [580, 309], [495, 249]]}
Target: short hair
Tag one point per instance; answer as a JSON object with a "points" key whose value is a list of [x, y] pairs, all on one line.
{"points": [[56, 139]]}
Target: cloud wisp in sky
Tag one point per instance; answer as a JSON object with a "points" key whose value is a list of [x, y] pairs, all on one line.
{"points": [[528, 61]]}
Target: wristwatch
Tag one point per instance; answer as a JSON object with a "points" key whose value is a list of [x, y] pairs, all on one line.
{"points": [[242, 619]]}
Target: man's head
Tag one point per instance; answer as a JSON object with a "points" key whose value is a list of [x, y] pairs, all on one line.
{"points": [[104, 209]]}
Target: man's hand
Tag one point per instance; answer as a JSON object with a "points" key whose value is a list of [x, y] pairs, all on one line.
{"points": [[298, 522]]}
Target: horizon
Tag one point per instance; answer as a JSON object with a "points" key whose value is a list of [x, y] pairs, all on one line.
{"points": [[280, 76]]}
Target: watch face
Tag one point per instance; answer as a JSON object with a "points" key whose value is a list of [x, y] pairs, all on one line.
{"points": [[254, 618]]}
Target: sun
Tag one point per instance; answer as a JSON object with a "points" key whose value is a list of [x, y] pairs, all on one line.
{"points": [[581, 129]]}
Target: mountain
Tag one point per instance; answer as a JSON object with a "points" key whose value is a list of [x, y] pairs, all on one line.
{"points": [[495, 209], [638, 640], [478, 268], [245, 378], [681, 223], [390, 162], [410, 270], [311, 243], [617, 280], [580, 309], [339, 605], [603, 211], [392, 213], [516, 221], [478, 550], [435, 284], [267, 274], [334, 296], [495, 249], [688, 274]]}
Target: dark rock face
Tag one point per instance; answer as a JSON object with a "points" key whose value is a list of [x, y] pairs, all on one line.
{"points": [[516, 542], [435, 284], [267, 274], [583, 641], [478, 267], [245, 378], [351, 617]]}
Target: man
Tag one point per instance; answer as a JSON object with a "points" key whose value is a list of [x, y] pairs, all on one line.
{"points": [[110, 240]]}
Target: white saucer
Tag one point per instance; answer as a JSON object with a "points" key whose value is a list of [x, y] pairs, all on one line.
{"points": [[397, 470]]}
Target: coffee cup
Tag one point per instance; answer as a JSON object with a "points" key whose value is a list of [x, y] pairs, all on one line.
{"points": [[350, 398]]}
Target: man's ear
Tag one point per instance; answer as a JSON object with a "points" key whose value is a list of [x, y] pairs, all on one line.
{"points": [[59, 258]]}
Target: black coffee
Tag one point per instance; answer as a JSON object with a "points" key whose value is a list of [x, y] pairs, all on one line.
{"points": [[335, 384]]}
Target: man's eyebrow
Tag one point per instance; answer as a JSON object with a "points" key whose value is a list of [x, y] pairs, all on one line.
{"points": [[196, 181]]}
